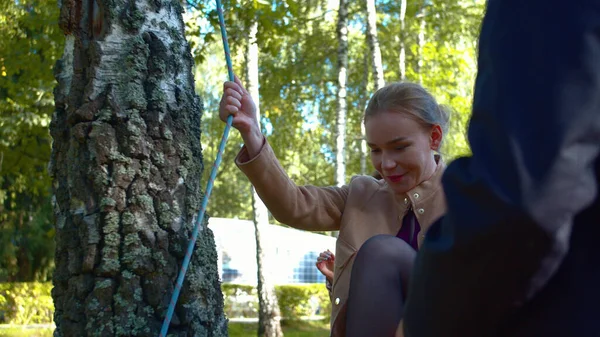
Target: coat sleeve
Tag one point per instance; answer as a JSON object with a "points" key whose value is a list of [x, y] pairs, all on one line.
{"points": [[535, 135], [303, 207]]}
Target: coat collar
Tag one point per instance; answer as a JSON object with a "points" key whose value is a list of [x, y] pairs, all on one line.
{"points": [[421, 192]]}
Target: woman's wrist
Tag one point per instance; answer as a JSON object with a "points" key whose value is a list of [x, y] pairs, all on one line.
{"points": [[253, 140]]}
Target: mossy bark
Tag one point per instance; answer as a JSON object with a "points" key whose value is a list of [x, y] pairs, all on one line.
{"points": [[126, 167]]}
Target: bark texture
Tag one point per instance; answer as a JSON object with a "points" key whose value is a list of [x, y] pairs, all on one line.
{"points": [[373, 42], [342, 63], [126, 166], [402, 36]]}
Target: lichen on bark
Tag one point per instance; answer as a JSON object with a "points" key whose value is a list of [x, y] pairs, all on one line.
{"points": [[126, 166]]}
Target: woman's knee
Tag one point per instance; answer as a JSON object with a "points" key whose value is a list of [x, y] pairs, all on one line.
{"points": [[385, 257], [386, 248]]}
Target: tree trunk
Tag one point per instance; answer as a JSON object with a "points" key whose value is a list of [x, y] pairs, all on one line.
{"points": [[269, 315], [421, 39], [23, 260], [402, 35], [363, 136], [126, 166], [376, 63], [342, 36], [374, 44]]}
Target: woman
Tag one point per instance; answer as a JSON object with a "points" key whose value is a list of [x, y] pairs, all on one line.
{"points": [[326, 259], [404, 129]]}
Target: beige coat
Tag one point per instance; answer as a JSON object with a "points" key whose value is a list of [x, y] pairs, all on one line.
{"points": [[360, 210]]}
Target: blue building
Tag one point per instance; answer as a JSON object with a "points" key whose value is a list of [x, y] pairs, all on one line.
{"points": [[290, 254]]}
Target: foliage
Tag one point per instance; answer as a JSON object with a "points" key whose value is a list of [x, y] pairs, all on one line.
{"points": [[295, 301], [290, 329], [297, 80], [26, 303], [25, 331], [30, 43], [29, 303], [231, 191], [300, 300], [297, 87], [285, 29], [240, 300]]}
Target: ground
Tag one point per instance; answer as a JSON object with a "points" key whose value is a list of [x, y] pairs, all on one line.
{"points": [[290, 329]]}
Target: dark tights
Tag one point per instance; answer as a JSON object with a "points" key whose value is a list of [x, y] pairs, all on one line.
{"points": [[378, 287]]}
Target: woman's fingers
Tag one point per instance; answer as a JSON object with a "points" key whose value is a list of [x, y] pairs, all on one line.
{"points": [[325, 256], [234, 102], [233, 87], [231, 99], [241, 86], [232, 109], [230, 92], [236, 86]]}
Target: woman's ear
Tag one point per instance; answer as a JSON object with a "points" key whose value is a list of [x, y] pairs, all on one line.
{"points": [[435, 139]]}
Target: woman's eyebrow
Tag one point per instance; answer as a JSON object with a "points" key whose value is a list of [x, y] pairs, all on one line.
{"points": [[395, 140]]}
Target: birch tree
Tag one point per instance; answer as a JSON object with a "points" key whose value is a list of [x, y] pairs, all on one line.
{"points": [[126, 165], [269, 315], [342, 63]]}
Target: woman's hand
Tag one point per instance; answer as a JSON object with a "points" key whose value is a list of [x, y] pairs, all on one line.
{"points": [[237, 101], [325, 263]]}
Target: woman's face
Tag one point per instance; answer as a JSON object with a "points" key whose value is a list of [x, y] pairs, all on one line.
{"points": [[401, 149]]}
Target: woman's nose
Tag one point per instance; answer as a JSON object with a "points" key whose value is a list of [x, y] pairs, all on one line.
{"points": [[388, 163]]}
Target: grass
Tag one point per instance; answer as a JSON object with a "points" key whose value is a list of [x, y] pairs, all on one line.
{"points": [[16, 331], [290, 329]]}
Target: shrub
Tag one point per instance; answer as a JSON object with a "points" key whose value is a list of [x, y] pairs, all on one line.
{"points": [[240, 300], [31, 303], [26, 303], [302, 300], [295, 300]]}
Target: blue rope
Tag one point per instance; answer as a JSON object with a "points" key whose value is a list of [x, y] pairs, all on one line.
{"points": [[211, 181]]}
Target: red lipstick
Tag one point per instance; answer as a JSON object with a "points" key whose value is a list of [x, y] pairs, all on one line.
{"points": [[396, 178]]}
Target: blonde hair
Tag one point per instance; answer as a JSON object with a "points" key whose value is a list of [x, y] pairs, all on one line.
{"points": [[412, 99]]}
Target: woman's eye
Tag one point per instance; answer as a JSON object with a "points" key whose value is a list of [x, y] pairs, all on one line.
{"points": [[399, 148], [375, 150]]}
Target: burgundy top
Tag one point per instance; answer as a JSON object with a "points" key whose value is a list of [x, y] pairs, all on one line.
{"points": [[409, 232]]}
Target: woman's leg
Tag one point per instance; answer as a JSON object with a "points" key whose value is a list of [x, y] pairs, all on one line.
{"points": [[378, 287]]}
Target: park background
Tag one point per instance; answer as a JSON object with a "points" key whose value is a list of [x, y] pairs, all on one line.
{"points": [[314, 65]]}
